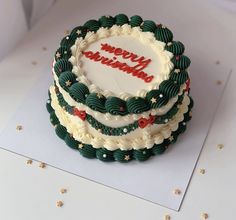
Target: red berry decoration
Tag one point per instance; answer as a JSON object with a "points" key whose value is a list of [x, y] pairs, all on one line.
{"points": [[80, 114]]}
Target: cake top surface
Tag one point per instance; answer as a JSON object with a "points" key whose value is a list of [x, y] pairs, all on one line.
{"points": [[121, 65], [126, 61]]}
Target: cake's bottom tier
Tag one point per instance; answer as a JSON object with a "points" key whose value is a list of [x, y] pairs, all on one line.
{"points": [[87, 150]]}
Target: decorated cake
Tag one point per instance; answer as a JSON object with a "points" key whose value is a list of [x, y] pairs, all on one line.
{"points": [[121, 89]]}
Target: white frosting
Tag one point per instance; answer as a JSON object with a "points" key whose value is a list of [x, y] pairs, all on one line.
{"points": [[138, 139], [108, 81]]}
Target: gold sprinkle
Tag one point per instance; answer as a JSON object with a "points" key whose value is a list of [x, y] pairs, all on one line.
{"points": [[42, 165], [217, 62], [60, 203], [171, 138], [29, 161], [166, 217], [58, 55], [68, 83], [67, 32], [218, 82], [44, 48], [34, 63], [19, 127], [177, 191], [63, 190], [204, 216], [127, 157], [202, 171], [220, 146], [80, 146], [190, 114]]}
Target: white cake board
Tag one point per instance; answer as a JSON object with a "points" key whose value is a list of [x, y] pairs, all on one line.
{"points": [[153, 180]]}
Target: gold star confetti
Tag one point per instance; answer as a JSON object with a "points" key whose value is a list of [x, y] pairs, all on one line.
{"points": [[67, 32], [19, 127], [177, 70], [204, 216], [218, 82], [171, 138], [217, 62], [202, 171], [58, 55], [42, 165], [78, 32], [34, 63], [127, 157], [177, 191], [44, 48], [190, 114], [99, 95], [166, 217], [29, 161], [60, 203], [68, 83], [80, 146], [63, 190], [220, 146], [153, 100]]}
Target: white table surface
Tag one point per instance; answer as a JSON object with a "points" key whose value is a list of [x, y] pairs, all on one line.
{"points": [[29, 192]]}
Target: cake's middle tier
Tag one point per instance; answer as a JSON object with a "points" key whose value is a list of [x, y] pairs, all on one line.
{"points": [[122, 132]]}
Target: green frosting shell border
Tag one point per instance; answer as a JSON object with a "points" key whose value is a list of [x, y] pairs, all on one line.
{"points": [[168, 88], [105, 155]]}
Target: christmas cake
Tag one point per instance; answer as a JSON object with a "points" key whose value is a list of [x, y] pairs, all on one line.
{"points": [[121, 89]]}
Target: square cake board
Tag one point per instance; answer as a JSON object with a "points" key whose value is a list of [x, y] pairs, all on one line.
{"points": [[153, 180]]}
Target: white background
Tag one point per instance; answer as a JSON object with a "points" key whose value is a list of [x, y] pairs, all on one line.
{"points": [[32, 192]]}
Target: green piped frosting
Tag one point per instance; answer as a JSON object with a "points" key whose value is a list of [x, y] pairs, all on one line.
{"points": [[79, 31], [149, 26], [62, 65], [53, 118], [123, 155], [142, 155], [96, 102], [181, 62], [159, 148], [49, 107], [87, 151], [66, 79], [107, 21], [71, 142], [79, 92], [61, 131], [169, 88], [63, 52], [104, 155], [160, 98], [163, 34], [135, 21], [121, 19], [116, 106], [92, 25], [137, 105], [180, 77], [67, 42], [175, 47]]}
